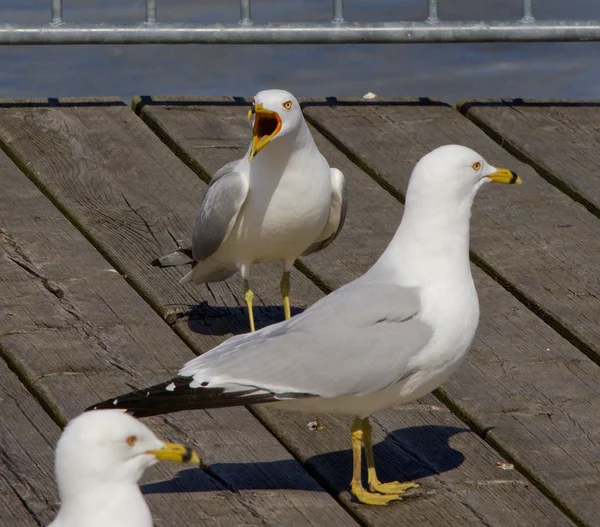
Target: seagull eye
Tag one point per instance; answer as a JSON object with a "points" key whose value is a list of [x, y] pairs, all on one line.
{"points": [[287, 105], [477, 166], [131, 440]]}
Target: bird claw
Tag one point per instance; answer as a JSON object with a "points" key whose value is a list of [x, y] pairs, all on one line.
{"points": [[393, 487], [373, 498]]}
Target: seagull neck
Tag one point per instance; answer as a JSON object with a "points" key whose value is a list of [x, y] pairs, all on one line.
{"points": [[432, 241], [285, 151], [123, 502]]}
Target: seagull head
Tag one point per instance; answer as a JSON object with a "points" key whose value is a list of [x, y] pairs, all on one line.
{"points": [[276, 113], [453, 172], [107, 447]]}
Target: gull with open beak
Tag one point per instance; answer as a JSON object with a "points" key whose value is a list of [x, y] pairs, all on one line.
{"points": [[99, 459], [280, 201]]}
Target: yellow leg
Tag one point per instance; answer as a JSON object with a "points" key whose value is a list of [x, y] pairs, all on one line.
{"points": [[395, 487], [363, 495], [248, 298], [285, 293]]}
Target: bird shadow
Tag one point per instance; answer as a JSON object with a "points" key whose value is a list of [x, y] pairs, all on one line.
{"points": [[406, 454], [207, 319]]}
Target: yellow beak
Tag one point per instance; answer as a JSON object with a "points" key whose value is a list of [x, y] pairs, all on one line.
{"points": [[503, 175], [267, 125], [176, 452]]}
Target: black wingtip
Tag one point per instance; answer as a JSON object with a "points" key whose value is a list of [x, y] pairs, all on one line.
{"points": [[145, 402], [177, 395], [156, 262]]}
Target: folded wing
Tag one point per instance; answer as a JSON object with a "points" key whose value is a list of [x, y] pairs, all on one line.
{"points": [[356, 341]]}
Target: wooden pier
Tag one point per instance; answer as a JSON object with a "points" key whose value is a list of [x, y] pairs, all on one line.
{"points": [[93, 190]]}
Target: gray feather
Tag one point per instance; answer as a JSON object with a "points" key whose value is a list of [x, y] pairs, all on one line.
{"points": [[218, 211], [224, 170], [376, 345]]}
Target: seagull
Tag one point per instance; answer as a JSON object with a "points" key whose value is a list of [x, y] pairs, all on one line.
{"points": [[389, 337], [284, 203], [99, 459]]}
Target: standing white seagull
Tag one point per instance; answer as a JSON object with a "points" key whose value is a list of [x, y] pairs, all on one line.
{"points": [[389, 337], [284, 203], [99, 459]]}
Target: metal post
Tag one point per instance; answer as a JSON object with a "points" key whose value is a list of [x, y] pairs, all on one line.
{"points": [[432, 11], [245, 12], [338, 11], [151, 12], [528, 11], [57, 15]]}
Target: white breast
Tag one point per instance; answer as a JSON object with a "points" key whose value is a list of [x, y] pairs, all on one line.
{"points": [[283, 214]]}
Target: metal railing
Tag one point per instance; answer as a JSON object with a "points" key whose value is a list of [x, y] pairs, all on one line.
{"points": [[337, 31]]}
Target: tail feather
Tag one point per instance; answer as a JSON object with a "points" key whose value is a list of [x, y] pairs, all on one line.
{"points": [[179, 257], [176, 395], [206, 272]]}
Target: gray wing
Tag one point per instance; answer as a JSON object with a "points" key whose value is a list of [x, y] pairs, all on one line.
{"points": [[337, 213], [357, 340], [224, 170], [214, 234], [218, 210]]}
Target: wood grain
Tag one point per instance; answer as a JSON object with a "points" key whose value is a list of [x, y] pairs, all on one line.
{"points": [[373, 217], [558, 138], [28, 495], [77, 333]]}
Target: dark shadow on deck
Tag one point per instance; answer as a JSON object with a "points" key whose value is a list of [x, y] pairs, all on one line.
{"points": [[405, 455], [334, 101], [465, 106], [55, 102], [207, 319], [146, 100]]}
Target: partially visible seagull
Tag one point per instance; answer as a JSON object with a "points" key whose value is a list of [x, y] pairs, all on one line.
{"points": [[284, 203], [389, 337], [99, 459]]}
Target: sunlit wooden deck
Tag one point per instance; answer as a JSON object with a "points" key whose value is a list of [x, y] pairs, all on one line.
{"points": [[93, 190]]}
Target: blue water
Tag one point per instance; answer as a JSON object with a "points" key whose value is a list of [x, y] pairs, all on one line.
{"points": [[448, 72]]}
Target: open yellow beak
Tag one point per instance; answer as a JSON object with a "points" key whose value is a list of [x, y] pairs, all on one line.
{"points": [[503, 175], [175, 452], [267, 125]]}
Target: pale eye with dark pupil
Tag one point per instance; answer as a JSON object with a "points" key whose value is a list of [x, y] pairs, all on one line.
{"points": [[131, 440], [476, 166], [287, 105]]}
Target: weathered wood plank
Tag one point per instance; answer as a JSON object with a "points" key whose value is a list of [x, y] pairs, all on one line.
{"points": [[78, 333], [28, 495], [461, 482], [373, 216], [538, 242], [558, 138], [534, 395]]}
